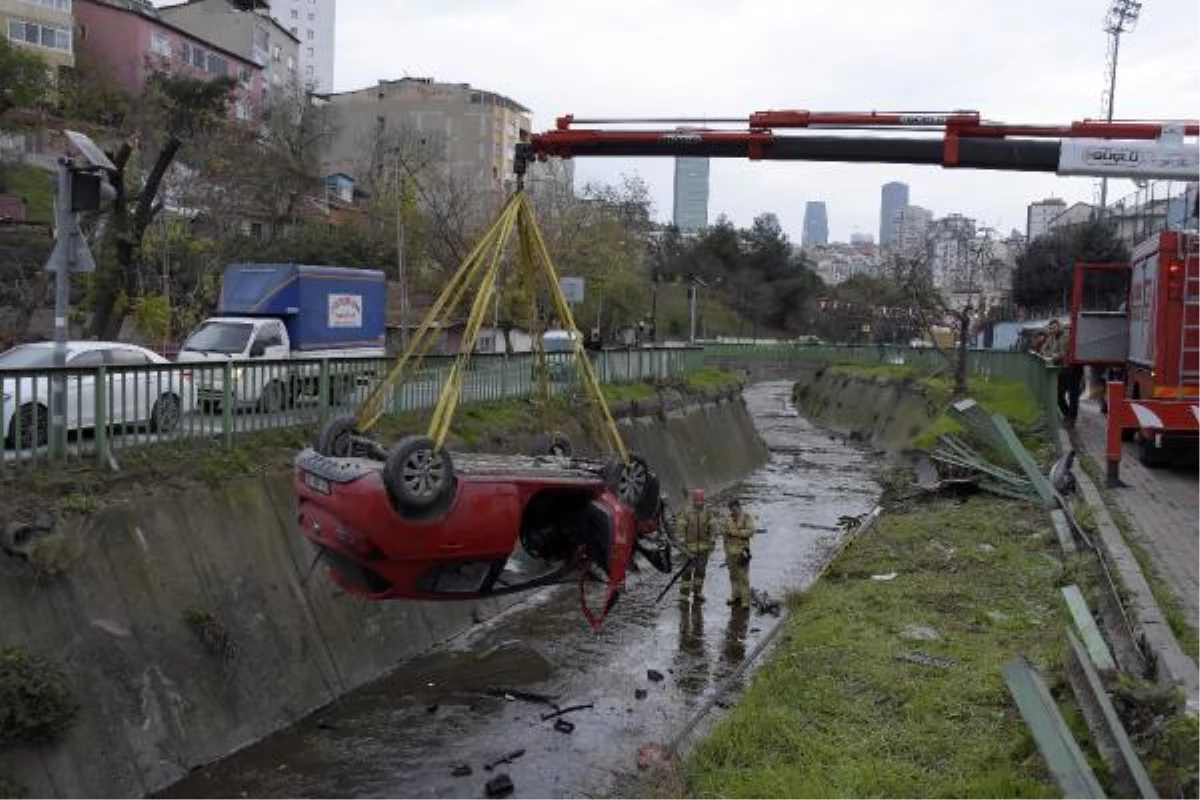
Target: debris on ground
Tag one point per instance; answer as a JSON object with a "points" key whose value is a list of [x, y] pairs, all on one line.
{"points": [[654, 675], [650, 754], [890, 576], [461, 770], [508, 759], [563, 726], [640, 694], [560, 711], [926, 660], [764, 603], [431, 708], [920, 633], [499, 786]]}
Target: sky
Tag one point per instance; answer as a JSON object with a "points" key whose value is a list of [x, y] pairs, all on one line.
{"points": [[1014, 61]]}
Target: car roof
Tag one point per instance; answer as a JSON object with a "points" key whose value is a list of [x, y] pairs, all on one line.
{"points": [[80, 346]]}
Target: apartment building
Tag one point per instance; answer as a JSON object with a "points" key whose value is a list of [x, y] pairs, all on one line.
{"points": [[44, 27], [312, 23]]}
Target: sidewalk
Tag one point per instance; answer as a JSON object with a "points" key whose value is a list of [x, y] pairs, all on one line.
{"points": [[1162, 506]]}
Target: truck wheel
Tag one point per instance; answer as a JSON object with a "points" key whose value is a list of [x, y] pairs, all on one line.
{"points": [[419, 480], [164, 417], [635, 483], [1148, 454], [555, 444], [274, 398], [336, 439], [34, 433]]}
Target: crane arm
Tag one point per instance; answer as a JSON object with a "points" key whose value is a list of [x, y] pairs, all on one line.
{"points": [[1131, 149]]}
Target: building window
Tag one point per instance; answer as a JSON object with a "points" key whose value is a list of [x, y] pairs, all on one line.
{"points": [[245, 75], [291, 63], [308, 70], [160, 43], [216, 65], [310, 34], [310, 52], [199, 58], [51, 37], [295, 14], [295, 31], [242, 109], [275, 53], [57, 5], [311, 16]]}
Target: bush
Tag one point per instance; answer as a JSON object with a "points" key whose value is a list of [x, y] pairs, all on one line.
{"points": [[37, 697]]}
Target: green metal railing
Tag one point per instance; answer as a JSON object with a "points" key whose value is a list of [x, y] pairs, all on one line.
{"points": [[112, 409]]}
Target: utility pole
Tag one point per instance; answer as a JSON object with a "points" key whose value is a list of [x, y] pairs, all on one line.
{"points": [[400, 276], [1121, 18]]}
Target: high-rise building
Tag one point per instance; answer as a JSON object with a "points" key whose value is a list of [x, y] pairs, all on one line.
{"points": [[816, 224], [951, 257], [691, 194], [1037, 221], [893, 197], [910, 230], [312, 22]]}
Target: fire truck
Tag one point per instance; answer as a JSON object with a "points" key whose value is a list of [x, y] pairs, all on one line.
{"points": [[1141, 322], [1152, 340]]}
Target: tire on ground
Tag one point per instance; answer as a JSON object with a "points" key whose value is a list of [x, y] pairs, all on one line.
{"points": [[419, 480], [635, 483], [554, 444]]}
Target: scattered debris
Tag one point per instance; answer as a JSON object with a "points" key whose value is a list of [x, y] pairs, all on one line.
{"points": [[567, 710], [765, 603], [926, 660], [528, 697], [326, 726], [1061, 476], [654, 675], [431, 708], [987, 548], [461, 770], [508, 759], [996, 617], [650, 754], [920, 633], [563, 726], [499, 786], [891, 576], [640, 694]]}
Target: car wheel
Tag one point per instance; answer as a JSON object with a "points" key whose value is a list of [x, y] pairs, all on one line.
{"points": [[635, 483], [1148, 454], [34, 432], [336, 439], [419, 480], [555, 444], [273, 399], [164, 417]]}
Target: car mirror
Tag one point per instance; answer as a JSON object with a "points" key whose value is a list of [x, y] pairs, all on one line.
{"points": [[257, 349]]}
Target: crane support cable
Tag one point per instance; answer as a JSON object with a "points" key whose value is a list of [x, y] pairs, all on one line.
{"points": [[536, 250], [372, 407]]}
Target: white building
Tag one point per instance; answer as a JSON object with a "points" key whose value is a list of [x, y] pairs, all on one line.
{"points": [[838, 262], [1039, 215], [950, 251], [312, 22], [911, 230]]}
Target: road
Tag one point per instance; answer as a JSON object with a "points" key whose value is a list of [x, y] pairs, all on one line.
{"points": [[403, 736]]}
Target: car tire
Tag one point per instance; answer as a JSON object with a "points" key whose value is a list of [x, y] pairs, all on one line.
{"points": [[29, 436], [419, 480], [336, 439], [555, 444], [635, 484], [274, 398], [1148, 454], [165, 415]]}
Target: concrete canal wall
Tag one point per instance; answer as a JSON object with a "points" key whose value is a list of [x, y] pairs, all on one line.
{"points": [[192, 626], [886, 412]]}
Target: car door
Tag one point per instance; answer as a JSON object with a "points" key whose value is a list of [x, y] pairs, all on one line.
{"points": [[135, 396], [268, 343], [81, 388]]}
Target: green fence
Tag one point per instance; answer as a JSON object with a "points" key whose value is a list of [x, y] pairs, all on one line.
{"points": [[113, 408]]}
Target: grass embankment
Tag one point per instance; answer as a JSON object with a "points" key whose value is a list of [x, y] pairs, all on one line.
{"points": [[82, 487], [35, 186], [839, 712]]}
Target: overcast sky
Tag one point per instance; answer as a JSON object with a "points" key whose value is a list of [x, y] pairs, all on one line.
{"points": [[1029, 61]]}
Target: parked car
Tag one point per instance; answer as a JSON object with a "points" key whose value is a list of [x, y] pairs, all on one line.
{"points": [[415, 523], [157, 397]]}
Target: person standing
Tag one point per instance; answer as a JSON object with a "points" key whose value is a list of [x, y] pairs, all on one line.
{"points": [[698, 533], [1070, 376], [738, 530]]}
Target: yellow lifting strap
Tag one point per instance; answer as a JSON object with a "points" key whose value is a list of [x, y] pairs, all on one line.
{"points": [[481, 270]]}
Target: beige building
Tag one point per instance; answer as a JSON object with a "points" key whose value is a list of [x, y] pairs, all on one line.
{"points": [[471, 132], [44, 27], [245, 28]]}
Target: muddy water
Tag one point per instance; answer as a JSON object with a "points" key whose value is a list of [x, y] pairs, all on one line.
{"points": [[476, 701]]}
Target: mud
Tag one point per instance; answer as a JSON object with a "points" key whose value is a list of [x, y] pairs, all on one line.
{"points": [[484, 699]]}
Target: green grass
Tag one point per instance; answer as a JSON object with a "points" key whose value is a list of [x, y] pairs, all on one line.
{"points": [[715, 318], [36, 187], [837, 713]]}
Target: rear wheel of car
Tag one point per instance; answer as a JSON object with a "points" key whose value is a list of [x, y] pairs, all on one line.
{"points": [[554, 444], [635, 483], [418, 478], [274, 398], [34, 422], [336, 439], [165, 415]]}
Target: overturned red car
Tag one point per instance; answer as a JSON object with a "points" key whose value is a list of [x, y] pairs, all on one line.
{"points": [[411, 522]]}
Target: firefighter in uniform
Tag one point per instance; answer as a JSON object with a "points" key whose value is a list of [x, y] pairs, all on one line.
{"points": [[737, 532], [698, 532]]}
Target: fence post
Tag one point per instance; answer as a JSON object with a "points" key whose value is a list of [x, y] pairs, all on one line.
{"points": [[227, 404], [323, 393], [101, 414]]}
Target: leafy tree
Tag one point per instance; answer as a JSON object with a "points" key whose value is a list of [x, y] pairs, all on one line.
{"points": [[1042, 281], [24, 77]]}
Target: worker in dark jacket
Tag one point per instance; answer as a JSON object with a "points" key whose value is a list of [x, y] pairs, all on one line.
{"points": [[697, 532], [1070, 376], [738, 530]]}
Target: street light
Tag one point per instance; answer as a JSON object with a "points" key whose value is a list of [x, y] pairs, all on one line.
{"points": [[397, 187], [1121, 18]]}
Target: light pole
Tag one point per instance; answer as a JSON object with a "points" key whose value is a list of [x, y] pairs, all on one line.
{"points": [[400, 254], [1121, 18]]}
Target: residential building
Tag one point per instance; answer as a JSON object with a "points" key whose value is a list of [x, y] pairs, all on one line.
{"points": [[816, 224], [951, 256], [691, 194], [133, 41], [244, 27], [44, 27], [469, 132], [1039, 214], [1076, 214], [893, 197], [312, 23], [862, 240], [910, 230], [838, 262]]}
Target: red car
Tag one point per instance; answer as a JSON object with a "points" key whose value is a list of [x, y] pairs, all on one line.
{"points": [[414, 524]]}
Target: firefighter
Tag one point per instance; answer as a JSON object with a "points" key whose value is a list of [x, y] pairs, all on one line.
{"points": [[697, 534], [738, 530]]}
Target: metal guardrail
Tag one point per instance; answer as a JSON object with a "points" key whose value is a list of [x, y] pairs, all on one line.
{"points": [[111, 409]]}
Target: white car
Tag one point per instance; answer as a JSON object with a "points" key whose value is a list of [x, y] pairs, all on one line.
{"points": [[159, 396]]}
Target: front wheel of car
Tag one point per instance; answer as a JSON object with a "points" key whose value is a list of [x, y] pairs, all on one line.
{"points": [[34, 423], [635, 483], [419, 479], [165, 415]]}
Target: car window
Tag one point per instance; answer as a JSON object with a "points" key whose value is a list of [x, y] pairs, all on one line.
{"points": [[27, 357], [269, 336], [88, 358], [123, 357]]}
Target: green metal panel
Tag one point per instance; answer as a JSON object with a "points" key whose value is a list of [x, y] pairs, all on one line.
{"points": [[1096, 646]]}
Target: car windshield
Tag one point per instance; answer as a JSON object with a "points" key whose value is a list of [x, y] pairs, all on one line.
{"points": [[219, 337], [27, 357]]}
